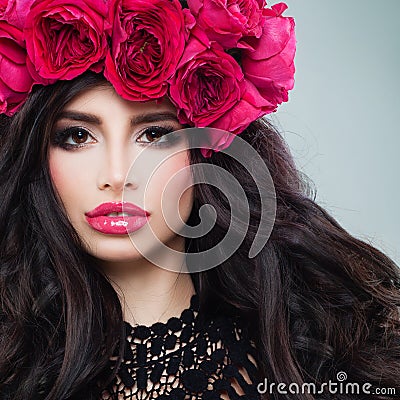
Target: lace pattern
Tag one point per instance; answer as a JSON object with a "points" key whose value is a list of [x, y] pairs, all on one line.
{"points": [[185, 359]]}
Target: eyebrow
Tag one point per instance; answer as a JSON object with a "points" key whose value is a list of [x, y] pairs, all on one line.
{"points": [[136, 120]]}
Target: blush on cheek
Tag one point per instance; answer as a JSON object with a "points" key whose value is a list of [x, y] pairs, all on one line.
{"points": [[65, 168], [174, 177], [56, 170], [53, 170], [62, 174], [177, 196], [54, 175]]}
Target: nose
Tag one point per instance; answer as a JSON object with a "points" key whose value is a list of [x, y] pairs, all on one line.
{"points": [[113, 174]]}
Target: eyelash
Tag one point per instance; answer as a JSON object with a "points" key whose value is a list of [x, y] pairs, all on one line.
{"points": [[61, 136]]}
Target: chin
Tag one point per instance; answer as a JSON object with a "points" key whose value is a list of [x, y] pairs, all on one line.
{"points": [[121, 249], [116, 257], [114, 249]]}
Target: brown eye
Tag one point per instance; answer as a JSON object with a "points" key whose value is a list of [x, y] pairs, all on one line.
{"points": [[73, 137], [79, 136], [153, 134]]}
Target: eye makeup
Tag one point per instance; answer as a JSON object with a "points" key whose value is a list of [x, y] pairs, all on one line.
{"points": [[75, 137], [169, 133]]}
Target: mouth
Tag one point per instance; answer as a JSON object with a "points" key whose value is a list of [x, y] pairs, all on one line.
{"points": [[117, 218], [119, 214]]}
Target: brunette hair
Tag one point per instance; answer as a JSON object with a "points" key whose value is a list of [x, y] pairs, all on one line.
{"points": [[316, 300]]}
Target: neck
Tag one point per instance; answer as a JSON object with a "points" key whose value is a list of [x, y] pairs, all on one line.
{"points": [[149, 293]]}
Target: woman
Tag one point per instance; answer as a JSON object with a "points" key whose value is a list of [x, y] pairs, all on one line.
{"points": [[87, 314]]}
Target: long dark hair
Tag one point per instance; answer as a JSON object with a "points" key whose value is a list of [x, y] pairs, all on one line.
{"points": [[316, 300]]}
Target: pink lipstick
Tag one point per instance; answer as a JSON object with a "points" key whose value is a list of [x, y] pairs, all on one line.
{"points": [[117, 218]]}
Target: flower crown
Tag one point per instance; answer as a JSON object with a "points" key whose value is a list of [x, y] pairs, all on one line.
{"points": [[222, 63]]}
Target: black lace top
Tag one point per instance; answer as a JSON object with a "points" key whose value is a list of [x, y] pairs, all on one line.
{"points": [[186, 358]]}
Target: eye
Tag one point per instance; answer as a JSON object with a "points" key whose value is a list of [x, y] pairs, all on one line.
{"points": [[73, 137], [157, 136], [77, 135]]}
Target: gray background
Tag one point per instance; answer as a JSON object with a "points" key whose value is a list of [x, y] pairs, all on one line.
{"points": [[341, 121]]}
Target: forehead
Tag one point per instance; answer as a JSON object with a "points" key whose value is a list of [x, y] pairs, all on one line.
{"points": [[103, 99]]}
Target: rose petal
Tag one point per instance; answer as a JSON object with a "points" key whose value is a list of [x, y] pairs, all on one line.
{"points": [[147, 43], [64, 39]]}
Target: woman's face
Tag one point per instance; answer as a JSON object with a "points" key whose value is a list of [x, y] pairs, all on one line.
{"points": [[94, 143]]}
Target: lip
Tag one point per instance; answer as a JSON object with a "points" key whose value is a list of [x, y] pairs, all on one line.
{"points": [[121, 225]]}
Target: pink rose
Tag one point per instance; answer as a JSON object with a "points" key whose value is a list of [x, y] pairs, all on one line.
{"points": [[209, 90], [66, 38], [15, 11], [3, 8], [250, 107], [207, 83], [269, 65], [15, 80], [147, 43], [228, 21]]}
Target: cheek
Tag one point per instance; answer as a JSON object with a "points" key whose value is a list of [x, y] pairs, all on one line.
{"points": [[57, 171], [66, 176], [57, 174], [172, 187]]}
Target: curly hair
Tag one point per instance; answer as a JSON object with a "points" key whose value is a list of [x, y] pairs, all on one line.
{"points": [[316, 299]]}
